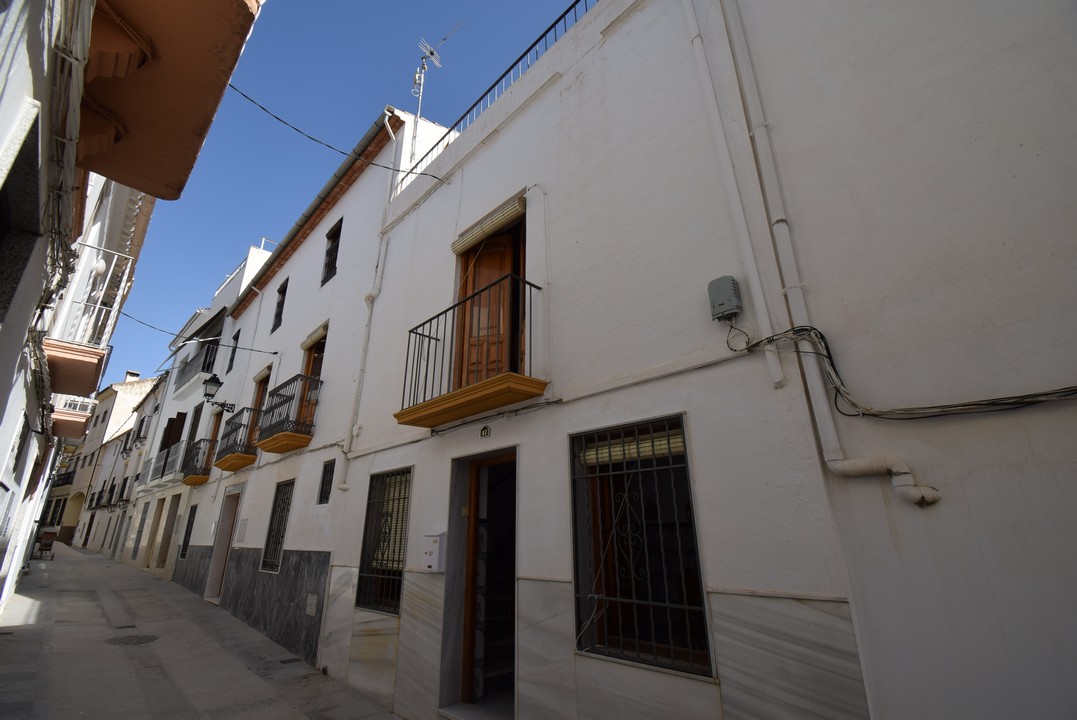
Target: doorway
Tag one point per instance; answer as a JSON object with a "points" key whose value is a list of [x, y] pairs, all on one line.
{"points": [[487, 534], [222, 545]]}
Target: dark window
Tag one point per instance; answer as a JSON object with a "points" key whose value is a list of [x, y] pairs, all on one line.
{"points": [[639, 592], [24, 435], [381, 567], [278, 314], [141, 527], [187, 533], [278, 525], [332, 245], [327, 481], [232, 354]]}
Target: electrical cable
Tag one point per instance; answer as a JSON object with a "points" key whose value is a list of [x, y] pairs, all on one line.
{"points": [[846, 404], [324, 144]]}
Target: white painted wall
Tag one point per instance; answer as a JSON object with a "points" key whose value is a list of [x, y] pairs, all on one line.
{"points": [[925, 155]]}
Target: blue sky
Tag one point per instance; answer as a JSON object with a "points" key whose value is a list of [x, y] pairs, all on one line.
{"points": [[328, 67]]}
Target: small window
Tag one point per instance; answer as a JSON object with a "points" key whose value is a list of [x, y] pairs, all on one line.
{"points": [[278, 525], [278, 314], [232, 353], [639, 591], [332, 245], [187, 533], [381, 567], [324, 490]]}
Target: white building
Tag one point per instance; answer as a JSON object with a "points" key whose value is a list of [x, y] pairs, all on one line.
{"points": [[504, 456]]}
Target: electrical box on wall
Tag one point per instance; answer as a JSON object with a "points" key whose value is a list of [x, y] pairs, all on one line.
{"points": [[724, 294], [434, 553]]}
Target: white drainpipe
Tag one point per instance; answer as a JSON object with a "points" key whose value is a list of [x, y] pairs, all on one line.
{"points": [[901, 477]]}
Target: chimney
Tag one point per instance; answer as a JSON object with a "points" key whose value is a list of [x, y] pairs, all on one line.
{"points": [[131, 375]]}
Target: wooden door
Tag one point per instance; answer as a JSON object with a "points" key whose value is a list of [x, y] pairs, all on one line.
{"points": [[485, 320], [312, 368]]}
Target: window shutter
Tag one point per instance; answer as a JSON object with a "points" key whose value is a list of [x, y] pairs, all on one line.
{"points": [[505, 214]]}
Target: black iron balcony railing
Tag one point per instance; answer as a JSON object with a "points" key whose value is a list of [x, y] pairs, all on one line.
{"points": [[201, 362], [516, 70], [66, 478], [198, 458], [239, 434], [291, 407], [486, 334]]}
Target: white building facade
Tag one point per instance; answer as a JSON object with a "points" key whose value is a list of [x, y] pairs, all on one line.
{"points": [[495, 442]]}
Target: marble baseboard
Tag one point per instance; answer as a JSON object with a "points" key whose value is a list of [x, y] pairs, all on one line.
{"points": [[191, 572], [336, 641], [545, 650], [614, 689], [373, 659], [287, 605], [787, 657], [419, 654]]}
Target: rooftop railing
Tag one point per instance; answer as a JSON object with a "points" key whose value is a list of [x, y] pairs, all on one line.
{"points": [[545, 41]]}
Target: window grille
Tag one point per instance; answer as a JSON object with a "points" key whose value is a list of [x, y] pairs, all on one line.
{"points": [[187, 533], [381, 567], [278, 525], [639, 591], [326, 488]]}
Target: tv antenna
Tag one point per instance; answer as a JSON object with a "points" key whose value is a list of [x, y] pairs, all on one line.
{"points": [[429, 55]]}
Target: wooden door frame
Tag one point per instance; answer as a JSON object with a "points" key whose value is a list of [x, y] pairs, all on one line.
{"points": [[467, 654]]}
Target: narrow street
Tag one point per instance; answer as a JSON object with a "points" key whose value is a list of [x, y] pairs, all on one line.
{"points": [[88, 637]]}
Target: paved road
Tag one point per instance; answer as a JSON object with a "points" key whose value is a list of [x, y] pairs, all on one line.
{"points": [[87, 637]]}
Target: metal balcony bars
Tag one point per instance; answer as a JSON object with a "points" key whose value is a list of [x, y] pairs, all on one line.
{"points": [[291, 407], [239, 434], [488, 333], [198, 457], [201, 362], [516, 70]]}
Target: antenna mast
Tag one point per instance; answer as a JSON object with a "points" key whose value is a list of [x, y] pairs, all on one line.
{"points": [[429, 54]]}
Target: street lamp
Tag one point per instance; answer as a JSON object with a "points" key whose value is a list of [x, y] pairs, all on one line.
{"points": [[212, 385]]}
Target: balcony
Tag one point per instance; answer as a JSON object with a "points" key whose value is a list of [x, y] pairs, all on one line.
{"points": [[197, 461], [237, 449], [73, 367], [195, 370], [64, 478], [70, 415], [287, 422], [155, 74], [472, 358]]}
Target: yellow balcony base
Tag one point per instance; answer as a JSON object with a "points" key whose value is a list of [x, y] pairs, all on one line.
{"points": [[496, 392], [235, 461], [195, 480], [283, 442]]}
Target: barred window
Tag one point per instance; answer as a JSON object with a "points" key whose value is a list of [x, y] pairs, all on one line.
{"points": [[187, 533], [381, 566], [639, 591], [326, 488], [278, 525]]}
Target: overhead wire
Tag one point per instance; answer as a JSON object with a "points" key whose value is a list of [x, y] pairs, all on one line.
{"points": [[323, 143]]}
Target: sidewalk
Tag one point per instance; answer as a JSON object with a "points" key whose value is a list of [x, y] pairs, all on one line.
{"points": [[88, 637]]}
